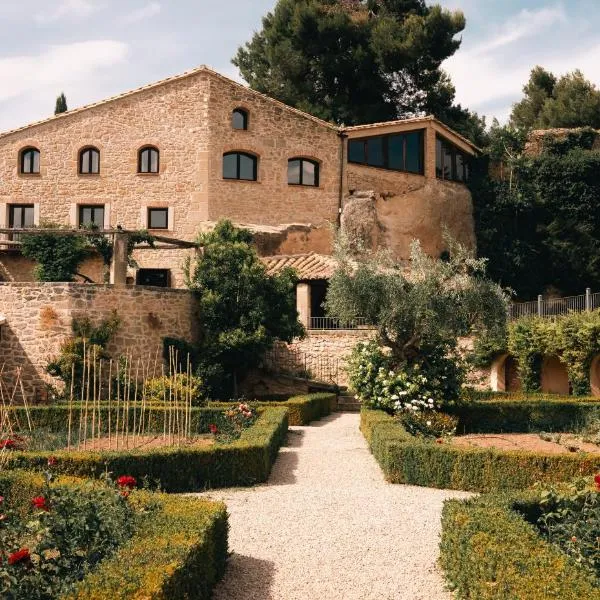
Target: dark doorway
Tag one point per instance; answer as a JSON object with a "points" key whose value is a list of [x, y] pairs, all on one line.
{"points": [[154, 277]]}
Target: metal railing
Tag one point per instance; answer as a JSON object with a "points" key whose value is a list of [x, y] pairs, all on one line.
{"points": [[328, 323], [555, 306], [300, 364]]}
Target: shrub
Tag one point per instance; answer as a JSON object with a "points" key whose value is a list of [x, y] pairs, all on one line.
{"points": [[175, 388], [431, 424]]}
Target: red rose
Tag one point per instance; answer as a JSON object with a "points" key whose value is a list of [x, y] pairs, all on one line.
{"points": [[40, 503], [213, 428], [52, 461], [126, 481], [19, 556], [597, 480], [8, 444]]}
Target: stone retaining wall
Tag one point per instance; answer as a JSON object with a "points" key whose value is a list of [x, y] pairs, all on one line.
{"points": [[39, 319]]}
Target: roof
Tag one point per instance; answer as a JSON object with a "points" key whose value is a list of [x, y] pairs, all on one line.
{"points": [[201, 69], [416, 120], [308, 267]]}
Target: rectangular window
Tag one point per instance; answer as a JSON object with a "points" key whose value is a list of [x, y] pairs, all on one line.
{"points": [[439, 158], [451, 163], [154, 277], [21, 216], [92, 216], [396, 152], [158, 218]]}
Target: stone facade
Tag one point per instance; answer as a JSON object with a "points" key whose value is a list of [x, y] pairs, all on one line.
{"points": [[39, 319], [188, 119]]}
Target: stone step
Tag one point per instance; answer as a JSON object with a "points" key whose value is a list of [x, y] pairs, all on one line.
{"points": [[348, 404]]}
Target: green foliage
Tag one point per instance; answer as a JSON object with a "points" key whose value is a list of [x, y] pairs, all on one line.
{"points": [[429, 424], [570, 518], [404, 458], [490, 552], [571, 101], [246, 461], [175, 388], [486, 347], [355, 62], [58, 256], [72, 530], [180, 351], [243, 310], [426, 384], [86, 347], [61, 104]]}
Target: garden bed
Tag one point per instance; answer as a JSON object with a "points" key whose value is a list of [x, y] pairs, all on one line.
{"points": [[178, 550], [491, 549]]}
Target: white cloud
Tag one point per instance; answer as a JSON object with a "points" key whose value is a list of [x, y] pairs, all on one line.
{"points": [[68, 9], [146, 12], [32, 82]]}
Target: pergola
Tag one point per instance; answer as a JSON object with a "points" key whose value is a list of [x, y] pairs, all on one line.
{"points": [[120, 237]]}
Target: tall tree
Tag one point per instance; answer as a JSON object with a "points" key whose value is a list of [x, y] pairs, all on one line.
{"points": [[571, 101], [357, 61], [61, 104]]}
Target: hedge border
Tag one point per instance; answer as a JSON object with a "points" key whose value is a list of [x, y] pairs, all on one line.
{"points": [[490, 551], [180, 552], [407, 459], [244, 462]]}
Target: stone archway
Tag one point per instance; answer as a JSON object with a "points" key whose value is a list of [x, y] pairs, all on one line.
{"points": [[555, 379], [504, 374], [595, 376]]}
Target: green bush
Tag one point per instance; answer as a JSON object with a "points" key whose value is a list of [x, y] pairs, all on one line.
{"points": [[430, 423], [490, 552], [180, 551], [177, 388], [246, 461], [407, 459]]}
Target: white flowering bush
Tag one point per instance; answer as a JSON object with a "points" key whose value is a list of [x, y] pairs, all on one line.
{"points": [[422, 386]]}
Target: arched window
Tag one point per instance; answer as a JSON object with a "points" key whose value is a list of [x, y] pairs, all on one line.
{"points": [[30, 161], [89, 161], [240, 165], [303, 171], [148, 160], [239, 119]]}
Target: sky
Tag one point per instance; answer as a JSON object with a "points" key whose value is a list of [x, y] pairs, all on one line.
{"points": [[93, 49]]}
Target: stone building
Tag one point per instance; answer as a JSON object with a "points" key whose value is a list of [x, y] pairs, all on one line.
{"points": [[178, 155]]}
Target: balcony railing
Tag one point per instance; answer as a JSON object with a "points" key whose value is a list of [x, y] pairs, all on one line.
{"points": [[329, 323], [555, 306]]}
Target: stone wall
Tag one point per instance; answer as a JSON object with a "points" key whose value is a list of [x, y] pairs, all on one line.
{"points": [[39, 319]]}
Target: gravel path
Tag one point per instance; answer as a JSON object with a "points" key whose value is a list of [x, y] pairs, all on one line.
{"points": [[328, 527]]}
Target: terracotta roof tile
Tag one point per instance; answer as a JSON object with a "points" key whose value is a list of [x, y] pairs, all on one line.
{"points": [[308, 267]]}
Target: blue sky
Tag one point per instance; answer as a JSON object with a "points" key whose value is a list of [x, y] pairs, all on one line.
{"points": [[92, 49]]}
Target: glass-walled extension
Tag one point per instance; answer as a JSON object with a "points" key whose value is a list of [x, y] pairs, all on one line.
{"points": [[451, 163]]}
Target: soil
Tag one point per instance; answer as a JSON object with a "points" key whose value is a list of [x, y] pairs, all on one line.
{"points": [[563, 443], [144, 442]]}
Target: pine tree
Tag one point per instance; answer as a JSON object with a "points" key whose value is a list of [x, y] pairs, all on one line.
{"points": [[61, 104]]}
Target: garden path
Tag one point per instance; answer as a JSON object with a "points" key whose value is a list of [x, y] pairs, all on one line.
{"points": [[327, 526]]}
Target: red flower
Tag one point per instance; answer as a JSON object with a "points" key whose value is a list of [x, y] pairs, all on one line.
{"points": [[439, 441], [1, 499], [8, 444], [126, 481], [597, 480], [40, 503], [19, 556], [213, 429], [52, 461]]}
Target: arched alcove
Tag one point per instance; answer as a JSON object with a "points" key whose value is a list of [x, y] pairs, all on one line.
{"points": [[595, 376], [555, 379], [504, 375]]}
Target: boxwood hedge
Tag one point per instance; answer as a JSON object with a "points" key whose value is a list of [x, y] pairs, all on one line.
{"points": [[179, 552], [407, 459], [489, 551]]}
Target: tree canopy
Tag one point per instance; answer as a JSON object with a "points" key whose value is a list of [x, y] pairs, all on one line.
{"points": [[242, 309], [61, 104], [568, 101], [355, 62]]}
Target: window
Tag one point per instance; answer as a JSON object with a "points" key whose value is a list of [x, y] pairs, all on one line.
{"points": [[154, 277], [239, 119], [20, 216], [30, 161], [158, 218], [91, 216], [89, 161], [302, 171], [451, 163], [148, 160], [239, 165], [397, 151]]}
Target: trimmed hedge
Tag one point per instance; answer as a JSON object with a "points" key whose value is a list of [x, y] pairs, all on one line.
{"points": [[304, 409], [246, 461], [472, 395], [180, 551], [489, 551], [407, 459]]}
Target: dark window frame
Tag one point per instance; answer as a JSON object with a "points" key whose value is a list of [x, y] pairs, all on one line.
{"points": [[239, 154], [93, 207], [11, 219], [24, 152], [150, 150], [151, 271], [162, 209], [444, 145], [245, 118], [311, 161], [385, 142], [89, 152]]}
